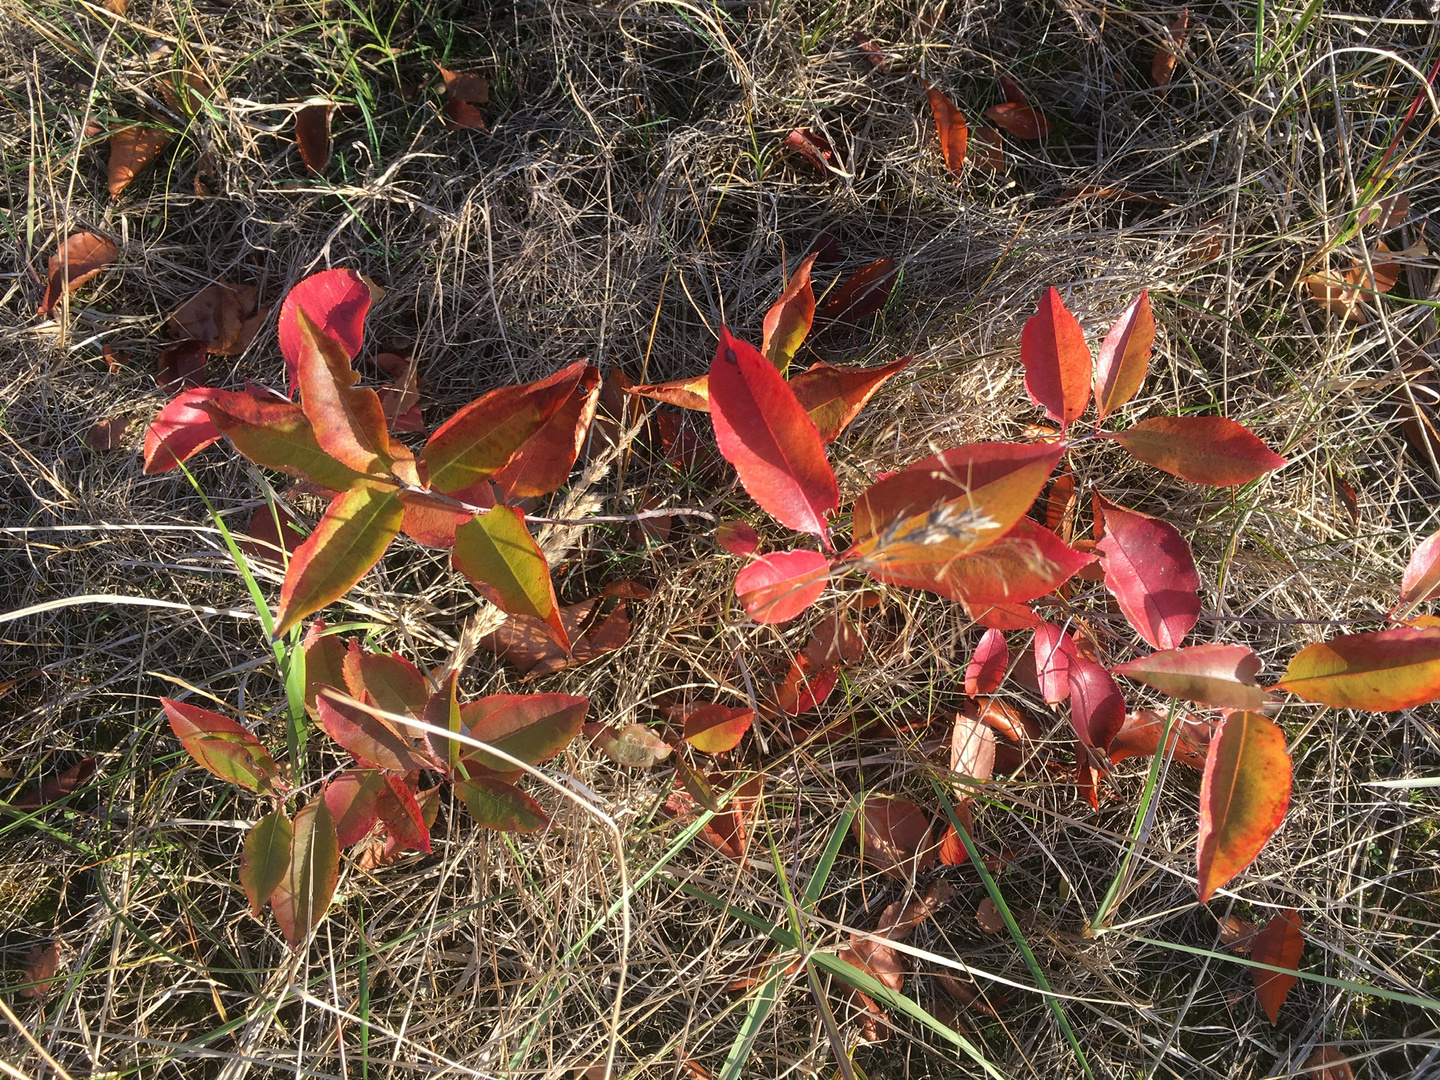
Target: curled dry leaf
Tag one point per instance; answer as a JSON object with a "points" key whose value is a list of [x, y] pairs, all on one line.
{"points": [[82, 256], [813, 148], [873, 53], [1343, 294], [1421, 580], [221, 315], [1022, 121], [972, 748], [789, 318], [132, 149], [894, 836], [634, 746], [989, 917], [528, 643], [1162, 67], [1139, 736], [987, 149], [806, 686], [864, 293], [1279, 943], [312, 136], [950, 126], [1236, 934]]}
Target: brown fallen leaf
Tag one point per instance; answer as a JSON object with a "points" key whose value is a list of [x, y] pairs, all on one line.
{"points": [[181, 365], [264, 540], [1022, 121], [972, 748], [951, 129], [1139, 736], [132, 149], [1388, 213], [108, 434], [79, 258], [894, 835], [1328, 1063], [42, 963], [526, 642], [969, 994], [1343, 295], [989, 917], [873, 53], [464, 86], [312, 136], [1236, 934], [814, 148], [114, 360], [57, 787], [729, 830], [1417, 400], [1162, 67], [987, 149], [221, 315], [634, 746]]}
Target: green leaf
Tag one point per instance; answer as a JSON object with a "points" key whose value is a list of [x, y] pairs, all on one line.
{"points": [[497, 554], [348, 541], [222, 746], [302, 896], [265, 859], [498, 805]]}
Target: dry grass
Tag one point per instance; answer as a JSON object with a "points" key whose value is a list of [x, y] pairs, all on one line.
{"points": [[630, 197]]}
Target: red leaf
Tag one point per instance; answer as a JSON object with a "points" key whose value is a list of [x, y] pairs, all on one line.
{"points": [[834, 396], [275, 433], [402, 816], [132, 149], [764, 431], [692, 393], [303, 895], [1022, 121], [1279, 943], [463, 116], [986, 670], [789, 318], [373, 740], [1151, 573], [950, 504], [1013, 91], [182, 365], [431, 521], [1023, 565], [1004, 616], [324, 660], [1422, 577], [1056, 359], [1328, 1063], [1054, 654], [806, 686], [777, 587], [972, 748], [713, 729], [1140, 735], [1379, 672], [479, 440], [349, 421], [737, 537], [1124, 356], [1097, 711], [544, 460], [951, 128], [312, 136], [1243, 797], [348, 540], [952, 850], [813, 147], [337, 301], [221, 746], [82, 256], [1202, 449], [531, 727], [865, 293], [1219, 675], [392, 682], [496, 552], [353, 798], [894, 836], [271, 536], [465, 86]]}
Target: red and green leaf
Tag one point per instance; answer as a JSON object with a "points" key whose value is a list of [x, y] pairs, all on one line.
{"points": [[432, 521], [401, 813], [479, 440], [1124, 356], [324, 660], [372, 739], [1280, 943], [337, 300], [265, 859], [1218, 675], [834, 396], [543, 461], [180, 430], [713, 728], [530, 727], [500, 558], [777, 587], [393, 683], [498, 805], [277, 434], [986, 670], [1057, 360], [1380, 672], [348, 420], [763, 430], [1151, 573], [1202, 449], [223, 747], [789, 318], [303, 895], [1243, 797], [349, 539], [354, 800], [443, 711]]}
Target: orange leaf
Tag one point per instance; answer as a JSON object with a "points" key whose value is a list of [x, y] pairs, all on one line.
{"points": [[777, 587], [763, 430], [713, 729], [692, 393], [276, 433], [349, 421], [1140, 735], [1381, 671], [1056, 359], [834, 396], [1022, 121], [1151, 573], [312, 136], [497, 554], [1162, 67], [864, 293], [951, 128], [78, 259], [1279, 943], [789, 318], [813, 147], [1202, 449], [544, 460], [1243, 797], [131, 150], [1124, 356], [349, 539], [463, 116]]}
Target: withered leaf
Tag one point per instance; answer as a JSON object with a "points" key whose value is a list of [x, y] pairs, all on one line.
{"points": [[132, 149]]}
